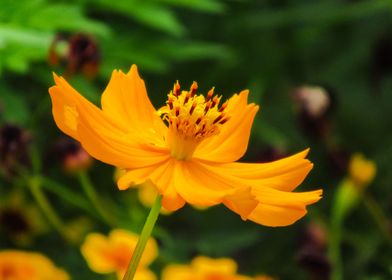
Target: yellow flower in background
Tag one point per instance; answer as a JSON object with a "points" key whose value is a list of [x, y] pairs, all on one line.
{"points": [[361, 170], [20, 265], [112, 253], [263, 277], [204, 268], [187, 148]]}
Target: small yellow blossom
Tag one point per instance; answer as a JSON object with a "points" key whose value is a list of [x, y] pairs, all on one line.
{"points": [[204, 268], [111, 254], [187, 148], [361, 170], [264, 277], [20, 265]]}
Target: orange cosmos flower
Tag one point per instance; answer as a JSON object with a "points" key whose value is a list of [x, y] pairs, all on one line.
{"points": [[20, 265], [112, 254], [204, 268], [186, 149]]}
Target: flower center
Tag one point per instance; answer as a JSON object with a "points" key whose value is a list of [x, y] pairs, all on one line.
{"points": [[191, 118]]}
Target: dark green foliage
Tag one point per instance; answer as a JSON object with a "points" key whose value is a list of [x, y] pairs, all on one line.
{"points": [[270, 47]]}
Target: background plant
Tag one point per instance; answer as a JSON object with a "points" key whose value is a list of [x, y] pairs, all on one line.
{"points": [[270, 47]]}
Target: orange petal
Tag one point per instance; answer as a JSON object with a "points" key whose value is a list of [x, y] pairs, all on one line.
{"points": [[171, 200], [284, 174], [279, 208], [161, 176], [93, 250], [232, 141], [120, 238], [103, 137], [156, 173], [219, 187], [224, 267], [241, 202], [192, 182], [64, 112], [125, 98], [67, 103], [176, 271], [115, 149]]}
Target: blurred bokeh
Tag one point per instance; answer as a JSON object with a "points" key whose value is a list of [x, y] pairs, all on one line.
{"points": [[320, 70]]}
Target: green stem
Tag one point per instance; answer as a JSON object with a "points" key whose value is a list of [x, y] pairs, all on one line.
{"points": [[43, 203], [378, 216], [335, 254], [144, 236], [64, 193], [93, 197]]}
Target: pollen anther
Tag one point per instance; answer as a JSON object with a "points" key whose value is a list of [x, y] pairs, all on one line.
{"points": [[191, 118]]}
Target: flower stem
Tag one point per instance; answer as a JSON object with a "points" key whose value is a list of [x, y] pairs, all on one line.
{"points": [[144, 236], [46, 207], [67, 195], [93, 197], [378, 216]]}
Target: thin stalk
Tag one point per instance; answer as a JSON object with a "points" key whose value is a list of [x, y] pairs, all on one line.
{"points": [[378, 216], [144, 236], [93, 197], [47, 209], [334, 249], [67, 195]]}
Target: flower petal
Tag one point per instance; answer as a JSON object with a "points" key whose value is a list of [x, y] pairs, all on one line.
{"points": [[100, 135], [171, 200], [118, 150], [220, 187], [241, 202], [64, 112], [156, 173], [232, 141], [93, 250], [279, 208], [284, 174], [120, 237], [279, 177], [193, 183], [177, 271], [141, 274], [161, 175], [125, 98], [223, 267]]}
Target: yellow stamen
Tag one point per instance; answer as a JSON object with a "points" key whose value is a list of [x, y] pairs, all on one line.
{"points": [[193, 89], [176, 89], [191, 118]]}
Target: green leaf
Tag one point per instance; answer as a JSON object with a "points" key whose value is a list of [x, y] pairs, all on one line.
{"points": [[195, 50], [24, 36], [147, 12], [316, 13], [212, 6], [13, 109], [68, 18]]}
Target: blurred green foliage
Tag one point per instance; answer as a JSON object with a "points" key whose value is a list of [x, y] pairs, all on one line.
{"points": [[270, 47]]}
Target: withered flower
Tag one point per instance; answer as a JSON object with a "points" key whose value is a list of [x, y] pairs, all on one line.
{"points": [[314, 105], [13, 148], [78, 52], [71, 154]]}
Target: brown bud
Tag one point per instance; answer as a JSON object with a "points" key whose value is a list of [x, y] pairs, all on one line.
{"points": [[72, 156], [13, 148], [78, 52]]}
